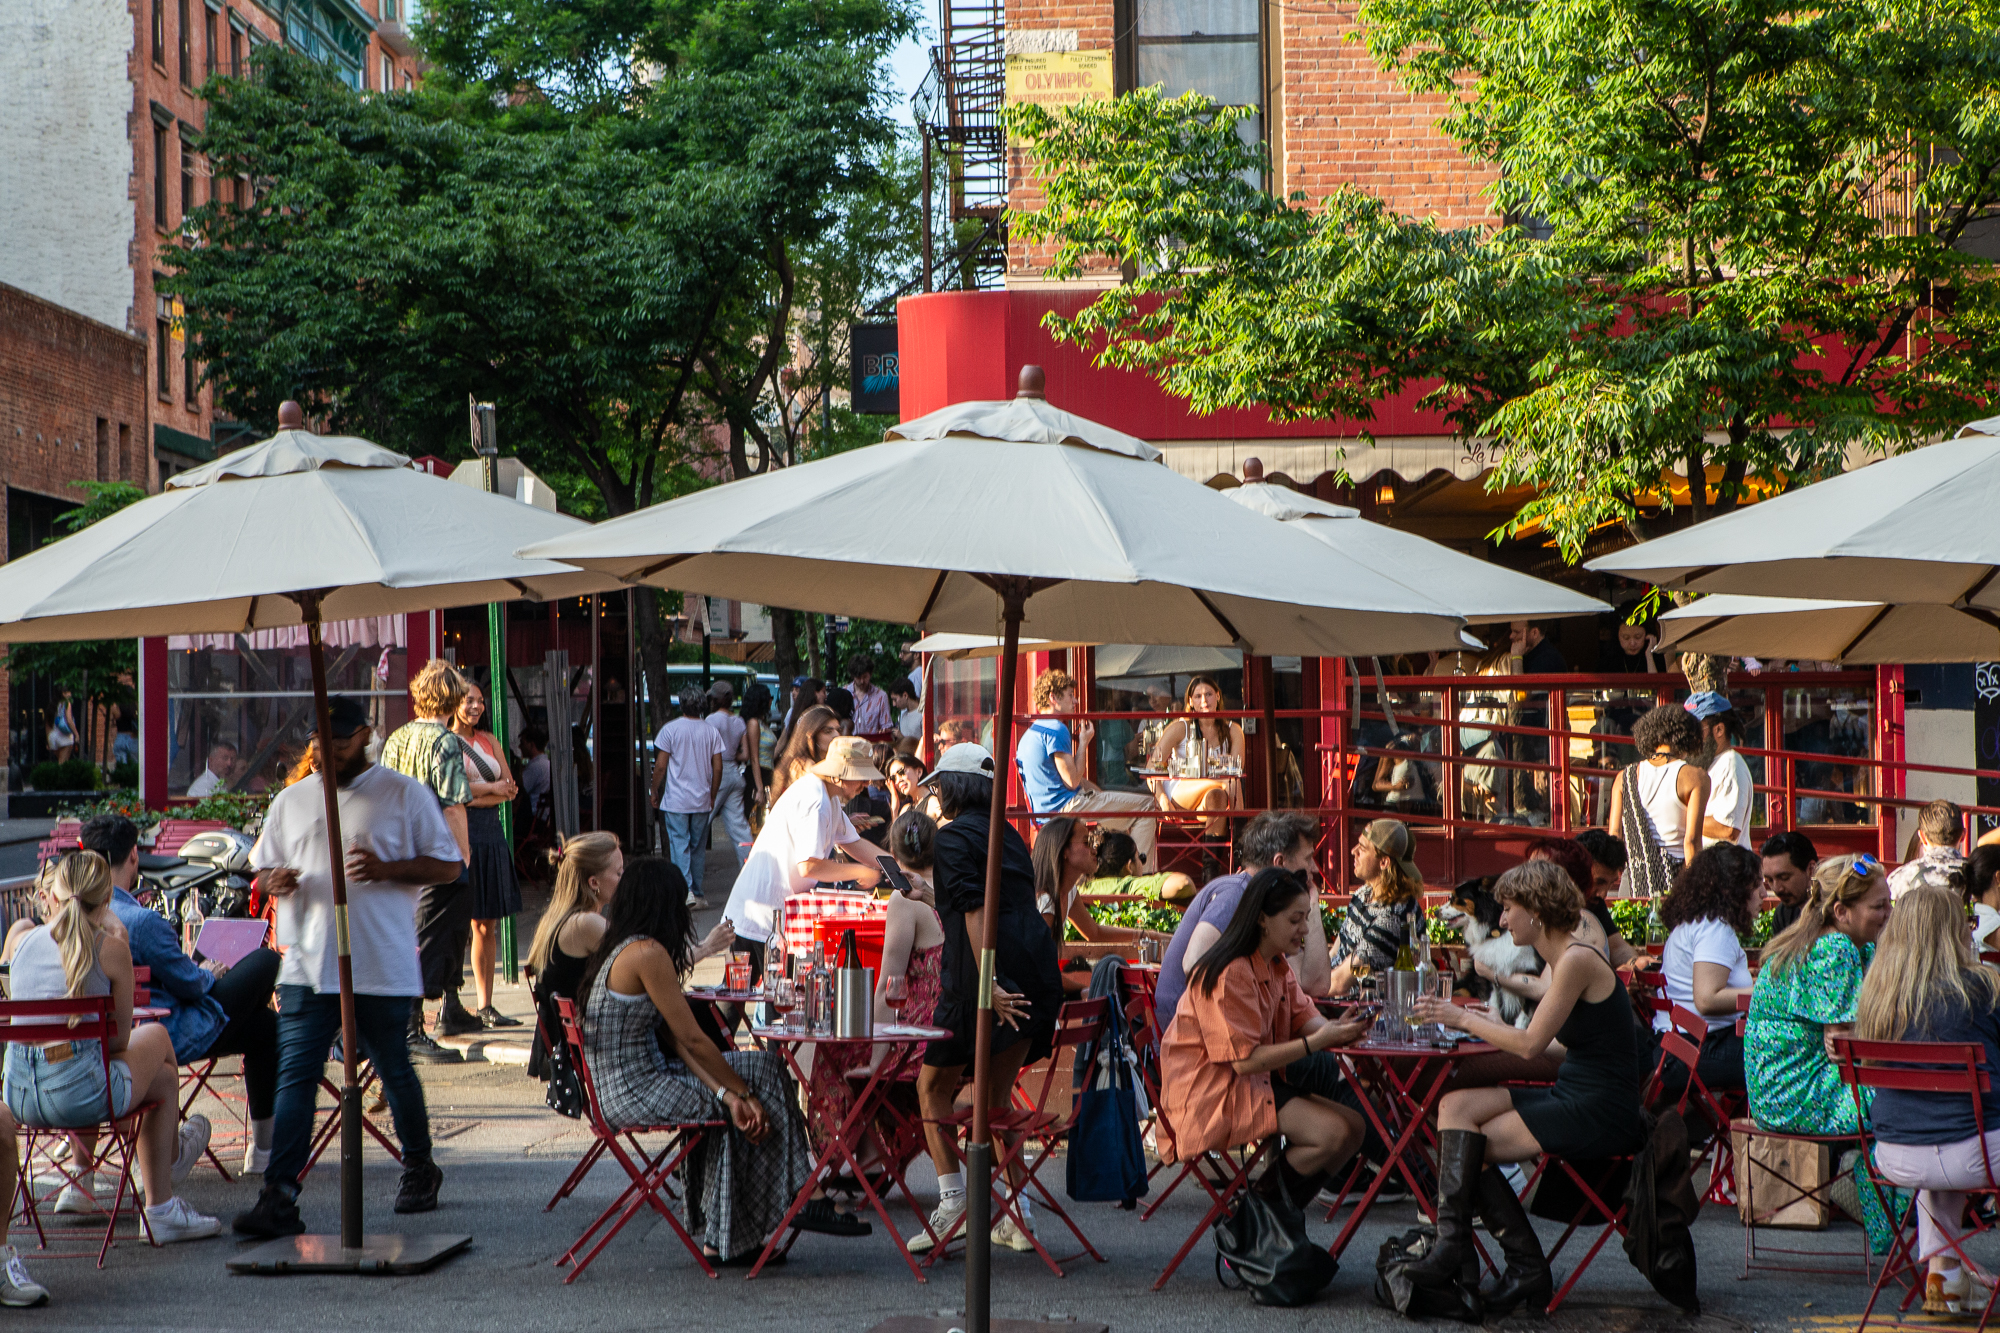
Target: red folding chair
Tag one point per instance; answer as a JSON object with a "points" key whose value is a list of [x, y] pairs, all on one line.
{"points": [[647, 1173], [76, 1019], [1918, 1066], [1718, 1108], [1143, 1023]]}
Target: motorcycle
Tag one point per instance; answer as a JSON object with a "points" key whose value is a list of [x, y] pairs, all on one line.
{"points": [[210, 876]]}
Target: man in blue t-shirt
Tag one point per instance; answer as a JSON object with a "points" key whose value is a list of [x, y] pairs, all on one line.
{"points": [[1281, 838], [1052, 774]]}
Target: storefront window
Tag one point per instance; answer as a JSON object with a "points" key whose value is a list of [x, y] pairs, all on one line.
{"points": [[1149, 678], [242, 705]]}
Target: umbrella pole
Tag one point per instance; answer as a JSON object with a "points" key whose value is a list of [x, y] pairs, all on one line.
{"points": [[979, 1147], [350, 1087]]}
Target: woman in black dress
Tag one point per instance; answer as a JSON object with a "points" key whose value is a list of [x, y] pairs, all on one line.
{"points": [[495, 894], [1592, 1112]]}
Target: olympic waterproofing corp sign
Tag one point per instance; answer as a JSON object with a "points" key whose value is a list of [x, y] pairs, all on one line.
{"points": [[1058, 78]]}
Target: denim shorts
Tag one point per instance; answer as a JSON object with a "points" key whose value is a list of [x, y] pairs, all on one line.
{"points": [[64, 1095]]}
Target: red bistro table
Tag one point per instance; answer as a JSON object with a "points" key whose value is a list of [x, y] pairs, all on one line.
{"points": [[1402, 1086], [846, 1134]]}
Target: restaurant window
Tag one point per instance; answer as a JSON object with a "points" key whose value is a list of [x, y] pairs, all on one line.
{"points": [[1151, 679], [1212, 47], [254, 692], [963, 691]]}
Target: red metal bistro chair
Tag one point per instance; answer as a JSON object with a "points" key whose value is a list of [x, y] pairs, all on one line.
{"points": [[647, 1173]]}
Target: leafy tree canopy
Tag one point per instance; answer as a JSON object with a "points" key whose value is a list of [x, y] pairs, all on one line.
{"points": [[1745, 241]]}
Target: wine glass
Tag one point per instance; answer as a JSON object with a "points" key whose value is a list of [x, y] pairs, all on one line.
{"points": [[896, 993], [783, 994]]}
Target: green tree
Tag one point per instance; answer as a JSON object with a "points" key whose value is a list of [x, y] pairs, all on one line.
{"points": [[1746, 240]]}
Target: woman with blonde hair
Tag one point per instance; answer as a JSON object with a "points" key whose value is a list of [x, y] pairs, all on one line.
{"points": [[1591, 1113], [1202, 697], [1926, 985], [807, 745], [1378, 917], [1807, 993], [82, 950]]}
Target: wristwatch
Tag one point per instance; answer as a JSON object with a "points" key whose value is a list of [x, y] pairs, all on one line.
{"points": [[722, 1096]]}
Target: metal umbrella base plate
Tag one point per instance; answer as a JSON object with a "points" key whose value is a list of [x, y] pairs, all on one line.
{"points": [[379, 1256]]}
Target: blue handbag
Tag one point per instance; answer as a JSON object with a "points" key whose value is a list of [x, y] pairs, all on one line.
{"points": [[1107, 1153]]}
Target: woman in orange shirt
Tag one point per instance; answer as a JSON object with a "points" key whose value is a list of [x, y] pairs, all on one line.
{"points": [[1244, 1019]]}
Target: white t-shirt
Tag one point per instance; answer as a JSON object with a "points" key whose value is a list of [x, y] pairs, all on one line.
{"points": [[1985, 920], [395, 817], [1730, 792], [206, 783], [689, 743], [1709, 941], [730, 728], [805, 824]]}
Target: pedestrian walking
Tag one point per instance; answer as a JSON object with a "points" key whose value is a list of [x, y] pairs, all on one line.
{"points": [[686, 778]]}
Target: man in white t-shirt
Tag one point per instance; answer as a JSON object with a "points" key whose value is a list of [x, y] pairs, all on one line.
{"points": [[686, 777], [909, 710], [795, 850], [729, 794], [1730, 788], [397, 843]]}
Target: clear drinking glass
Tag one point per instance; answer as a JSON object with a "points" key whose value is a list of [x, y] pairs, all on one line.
{"points": [[896, 993], [783, 994]]}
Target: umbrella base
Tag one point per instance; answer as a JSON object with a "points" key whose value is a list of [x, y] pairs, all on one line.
{"points": [[379, 1256], [911, 1323]]}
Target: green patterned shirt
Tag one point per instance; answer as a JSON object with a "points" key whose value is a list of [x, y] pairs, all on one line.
{"points": [[430, 753]]}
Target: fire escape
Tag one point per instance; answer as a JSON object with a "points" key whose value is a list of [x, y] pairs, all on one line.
{"points": [[965, 147]]}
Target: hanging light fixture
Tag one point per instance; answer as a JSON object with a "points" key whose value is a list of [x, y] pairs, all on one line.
{"points": [[1385, 490]]}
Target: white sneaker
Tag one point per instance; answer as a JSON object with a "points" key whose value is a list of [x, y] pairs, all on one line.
{"points": [[255, 1159], [194, 1142], [16, 1287], [943, 1218], [175, 1220], [1006, 1233], [73, 1201]]}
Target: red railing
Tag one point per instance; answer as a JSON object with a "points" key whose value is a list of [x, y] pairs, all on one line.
{"points": [[1534, 737]]}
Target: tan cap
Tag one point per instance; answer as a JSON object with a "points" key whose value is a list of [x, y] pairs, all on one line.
{"points": [[849, 759], [1391, 837]]}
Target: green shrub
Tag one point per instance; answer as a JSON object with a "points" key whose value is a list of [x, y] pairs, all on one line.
{"points": [[42, 777], [126, 775]]}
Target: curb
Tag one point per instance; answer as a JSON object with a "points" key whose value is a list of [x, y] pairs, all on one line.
{"points": [[492, 1050]]}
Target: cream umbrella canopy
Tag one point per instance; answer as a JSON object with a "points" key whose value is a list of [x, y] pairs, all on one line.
{"points": [[1732, 625], [1482, 592], [294, 530], [1917, 527], [972, 517]]}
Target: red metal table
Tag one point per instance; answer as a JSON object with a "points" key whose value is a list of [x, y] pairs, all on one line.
{"points": [[1401, 1087], [846, 1134]]}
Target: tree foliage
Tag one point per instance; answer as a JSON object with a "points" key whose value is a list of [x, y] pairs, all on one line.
{"points": [[1744, 240], [100, 671]]}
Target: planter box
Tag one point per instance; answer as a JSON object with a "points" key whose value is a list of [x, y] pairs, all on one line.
{"points": [[44, 804]]}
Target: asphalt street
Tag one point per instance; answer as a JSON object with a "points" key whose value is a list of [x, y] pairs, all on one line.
{"points": [[504, 1153]]}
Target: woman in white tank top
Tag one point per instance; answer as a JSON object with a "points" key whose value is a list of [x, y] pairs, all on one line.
{"points": [[1672, 793]]}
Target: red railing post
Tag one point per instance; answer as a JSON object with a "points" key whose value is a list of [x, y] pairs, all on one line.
{"points": [[1559, 798]]}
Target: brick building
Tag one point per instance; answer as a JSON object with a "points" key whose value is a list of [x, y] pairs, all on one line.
{"points": [[72, 408], [98, 114]]}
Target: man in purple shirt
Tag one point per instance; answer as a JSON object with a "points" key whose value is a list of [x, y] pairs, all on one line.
{"points": [[1282, 838]]}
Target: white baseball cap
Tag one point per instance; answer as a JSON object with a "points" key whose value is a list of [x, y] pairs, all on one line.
{"points": [[965, 757]]}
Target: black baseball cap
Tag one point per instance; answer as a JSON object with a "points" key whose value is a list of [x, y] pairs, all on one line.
{"points": [[346, 715]]}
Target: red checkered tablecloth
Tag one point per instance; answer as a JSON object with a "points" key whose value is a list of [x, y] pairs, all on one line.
{"points": [[802, 909]]}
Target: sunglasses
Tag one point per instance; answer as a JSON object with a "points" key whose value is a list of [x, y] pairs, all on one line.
{"points": [[1864, 865]]}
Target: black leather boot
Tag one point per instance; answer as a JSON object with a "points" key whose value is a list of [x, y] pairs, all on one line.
{"points": [[1461, 1156], [1527, 1281], [1302, 1190]]}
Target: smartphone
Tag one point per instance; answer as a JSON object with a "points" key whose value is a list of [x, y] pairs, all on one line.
{"points": [[894, 876]]}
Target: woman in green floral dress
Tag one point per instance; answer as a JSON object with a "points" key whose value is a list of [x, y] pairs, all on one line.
{"points": [[1805, 995]]}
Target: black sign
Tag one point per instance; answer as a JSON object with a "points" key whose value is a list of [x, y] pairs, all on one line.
{"points": [[1986, 733], [872, 359]]}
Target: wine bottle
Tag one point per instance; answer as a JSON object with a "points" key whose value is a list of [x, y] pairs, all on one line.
{"points": [[1406, 953]]}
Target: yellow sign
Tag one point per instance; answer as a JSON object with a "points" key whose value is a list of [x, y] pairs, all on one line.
{"points": [[1059, 78]]}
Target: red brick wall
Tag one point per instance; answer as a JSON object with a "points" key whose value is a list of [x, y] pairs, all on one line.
{"points": [[1342, 121], [60, 375]]}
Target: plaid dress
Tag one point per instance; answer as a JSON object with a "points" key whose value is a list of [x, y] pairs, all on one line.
{"points": [[745, 1187]]}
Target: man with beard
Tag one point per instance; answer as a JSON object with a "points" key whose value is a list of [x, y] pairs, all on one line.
{"points": [[397, 842], [1730, 788], [1789, 862]]}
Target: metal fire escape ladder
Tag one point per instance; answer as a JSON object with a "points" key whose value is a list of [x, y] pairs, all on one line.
{"points": [[965, 147]]}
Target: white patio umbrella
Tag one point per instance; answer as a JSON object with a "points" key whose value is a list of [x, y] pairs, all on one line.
{"points": [[959, 521], [1732, 625], [1917, 527], [967, 647], [1482, 592], [295, 530]]}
